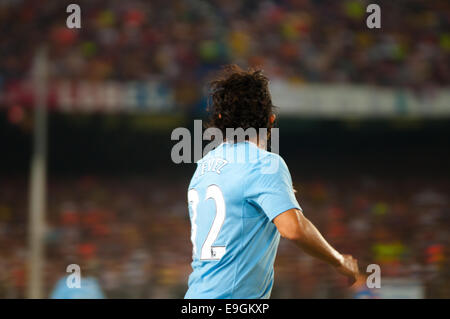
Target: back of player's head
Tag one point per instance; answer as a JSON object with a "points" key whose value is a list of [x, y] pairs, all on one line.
{"points": [[240, 99]]}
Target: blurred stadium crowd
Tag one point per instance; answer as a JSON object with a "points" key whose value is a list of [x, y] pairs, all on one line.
{"points": [[133, 235], [181, 42]]}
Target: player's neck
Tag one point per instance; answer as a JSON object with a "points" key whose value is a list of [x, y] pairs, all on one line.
{"points": [[261, 143]]}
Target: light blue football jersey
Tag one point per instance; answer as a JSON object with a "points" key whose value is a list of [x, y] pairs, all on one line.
{"points": [[236, 192], [90, 289]]}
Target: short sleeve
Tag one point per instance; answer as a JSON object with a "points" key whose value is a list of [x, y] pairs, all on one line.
{"points": [[271, 189]]}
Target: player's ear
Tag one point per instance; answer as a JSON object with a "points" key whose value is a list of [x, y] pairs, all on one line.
{"points": [[272, 118], [220, 116]]}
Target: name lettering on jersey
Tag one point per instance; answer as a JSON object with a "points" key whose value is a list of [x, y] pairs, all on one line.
{"points": [[212, 165]]}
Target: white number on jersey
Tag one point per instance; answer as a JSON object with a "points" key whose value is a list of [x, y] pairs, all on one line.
{"points": [[208, 252]]}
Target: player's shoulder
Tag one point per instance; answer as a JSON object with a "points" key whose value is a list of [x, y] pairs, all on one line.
{"points": [[269, 163], [268, 155]]}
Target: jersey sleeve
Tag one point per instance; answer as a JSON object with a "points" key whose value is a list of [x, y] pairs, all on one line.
{"points": [[271, 189]]}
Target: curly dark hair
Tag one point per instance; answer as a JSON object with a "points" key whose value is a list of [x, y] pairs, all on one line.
{"points": [[240, 99]]}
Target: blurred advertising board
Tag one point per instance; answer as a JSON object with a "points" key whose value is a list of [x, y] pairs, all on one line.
{"points": [[84, 96], [294, 100], [355, 101]]}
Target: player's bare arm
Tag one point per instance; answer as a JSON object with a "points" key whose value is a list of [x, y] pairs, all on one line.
{"points": [[294, 226]]}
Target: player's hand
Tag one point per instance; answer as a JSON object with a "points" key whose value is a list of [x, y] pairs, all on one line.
{"points": [[349, 268]]}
